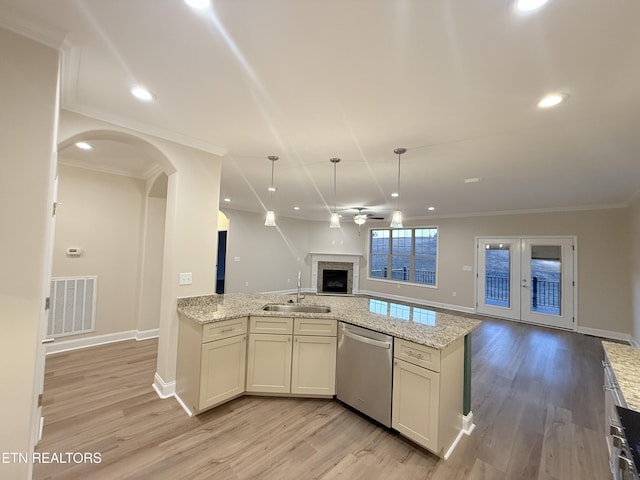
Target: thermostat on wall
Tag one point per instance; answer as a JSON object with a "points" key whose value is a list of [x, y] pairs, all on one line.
{"points": [[74, 251]]}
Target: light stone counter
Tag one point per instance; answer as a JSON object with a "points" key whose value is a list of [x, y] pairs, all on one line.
{"points": [[410, 322], [625, 362]]}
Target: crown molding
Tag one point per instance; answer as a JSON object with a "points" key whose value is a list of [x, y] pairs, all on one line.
{"points": [[70, 162], [51, 37], [165, 134]]}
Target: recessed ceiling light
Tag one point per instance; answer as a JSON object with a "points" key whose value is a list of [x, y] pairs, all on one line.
{"points": [[296, 208], [84, 146], [198, 4], [431, 209], [142, 93], [395, 194], [529, 5], [227, 199], [472, 180], [552, 100]]}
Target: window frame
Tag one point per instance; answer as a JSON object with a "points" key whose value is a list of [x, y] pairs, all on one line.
{"points": [[412, 257]]}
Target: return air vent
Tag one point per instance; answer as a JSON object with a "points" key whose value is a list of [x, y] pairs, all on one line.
{"points": [[73, 306]]}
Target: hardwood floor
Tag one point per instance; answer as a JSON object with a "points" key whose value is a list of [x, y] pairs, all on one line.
{"points": [[536, 397]]}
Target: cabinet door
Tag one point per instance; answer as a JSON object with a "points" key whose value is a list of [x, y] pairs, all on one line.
{"points": [[415, 403], [314, 365], [269, 363], [222, 370]]}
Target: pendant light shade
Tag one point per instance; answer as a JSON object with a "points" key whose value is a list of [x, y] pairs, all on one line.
{"points": [[335, 218], [396, 220], [270, 221]]}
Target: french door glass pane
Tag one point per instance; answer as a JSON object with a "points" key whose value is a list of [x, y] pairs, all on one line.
{"points": [[546, 276], [497, 275]]}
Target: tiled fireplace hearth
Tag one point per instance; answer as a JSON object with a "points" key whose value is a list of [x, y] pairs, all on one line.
{"points": [[335, 274]]}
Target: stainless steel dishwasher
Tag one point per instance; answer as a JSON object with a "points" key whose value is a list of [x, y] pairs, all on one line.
{"points": [[364, 366]]}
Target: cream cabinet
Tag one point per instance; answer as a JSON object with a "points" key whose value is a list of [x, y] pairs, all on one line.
{"points": [[428, 393], [298, 356], [211, 362], [314, 365]]}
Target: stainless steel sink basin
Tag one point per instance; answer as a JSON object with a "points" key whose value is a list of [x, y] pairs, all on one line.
{"points": [[296, 308]]}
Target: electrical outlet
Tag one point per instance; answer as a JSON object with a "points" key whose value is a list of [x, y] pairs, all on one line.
{"points": [[455, 293], [186, 278]]}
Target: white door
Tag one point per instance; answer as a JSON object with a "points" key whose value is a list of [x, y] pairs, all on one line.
{"points": [[498, 272], [40, 359], [529, 279]]}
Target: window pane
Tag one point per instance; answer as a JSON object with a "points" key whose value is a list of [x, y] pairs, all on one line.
{"points": [[400, 267], [380, 242], [378, 266], [401, 242], [546, 273], [425, 270], [498, 272], [426, 241]]}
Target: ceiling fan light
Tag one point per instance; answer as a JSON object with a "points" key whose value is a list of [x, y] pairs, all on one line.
{"points": [[396, 220], [360, 218], [271, 219]]}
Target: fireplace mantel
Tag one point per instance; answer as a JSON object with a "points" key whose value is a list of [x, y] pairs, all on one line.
{"points": [[335, 257]]}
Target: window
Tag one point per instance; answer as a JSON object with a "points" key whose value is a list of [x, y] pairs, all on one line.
{"points": [[404, 254]]}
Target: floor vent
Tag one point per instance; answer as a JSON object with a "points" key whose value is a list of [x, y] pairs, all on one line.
{"points": [[73, 306]]}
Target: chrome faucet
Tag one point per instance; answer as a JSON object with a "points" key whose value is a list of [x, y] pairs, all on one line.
{"points": [[298, 296]]}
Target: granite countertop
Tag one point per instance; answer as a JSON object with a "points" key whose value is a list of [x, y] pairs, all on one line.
{"points": [[625, 362], [410, 322]]}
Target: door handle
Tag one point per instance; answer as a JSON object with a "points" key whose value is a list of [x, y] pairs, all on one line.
{"points": [[47, 340]]}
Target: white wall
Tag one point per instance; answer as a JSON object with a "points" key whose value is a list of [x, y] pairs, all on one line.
{"points": [[268, 259], [27, 158], [634, 219], [604, 293], [103, 214]]}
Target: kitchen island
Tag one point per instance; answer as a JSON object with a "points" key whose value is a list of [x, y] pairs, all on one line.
{"points": [[229, 346]]}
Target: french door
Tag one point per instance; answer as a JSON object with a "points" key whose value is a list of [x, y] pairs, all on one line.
{"points": [[527, 278]]}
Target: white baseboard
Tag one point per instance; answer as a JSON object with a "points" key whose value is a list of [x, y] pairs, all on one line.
{"points": [[162, 388], [95, 340], [147, 334], [418, 301], [183, 405], [633, 342], [467, 428], [596, 332]]}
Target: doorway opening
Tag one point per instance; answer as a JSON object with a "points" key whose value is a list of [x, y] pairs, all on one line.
{"points": [[527, 278]]}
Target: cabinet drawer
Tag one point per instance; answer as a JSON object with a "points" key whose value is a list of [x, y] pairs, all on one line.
{"points": [[420, 355], [224, 329], [321, 327], [276, 325]]}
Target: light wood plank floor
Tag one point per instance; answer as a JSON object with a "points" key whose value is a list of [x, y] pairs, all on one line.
{"points": [[536, 397]]}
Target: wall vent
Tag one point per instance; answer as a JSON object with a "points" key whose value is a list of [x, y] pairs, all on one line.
{"points": [[73, 306]]}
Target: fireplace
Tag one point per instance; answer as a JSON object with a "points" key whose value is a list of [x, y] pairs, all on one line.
{"points": [[336, 284], [335, 281]]}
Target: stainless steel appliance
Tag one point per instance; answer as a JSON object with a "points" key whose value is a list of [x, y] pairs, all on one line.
{"points": [[364, 374], [626, 439]]}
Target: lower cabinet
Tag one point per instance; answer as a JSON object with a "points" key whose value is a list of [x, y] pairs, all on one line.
{"points": [[288, 363], [415, 403], [211, 362], [269, 363], [314, 365], [427, 393], [222, 370]]}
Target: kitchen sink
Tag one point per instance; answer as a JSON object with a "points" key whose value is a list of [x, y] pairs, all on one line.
{"points": [[296, 308]]}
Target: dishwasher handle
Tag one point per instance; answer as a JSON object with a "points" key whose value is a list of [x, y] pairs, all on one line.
{"points": [[370, 341]]}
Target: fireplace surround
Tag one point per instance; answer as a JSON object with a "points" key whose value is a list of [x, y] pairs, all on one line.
{"points": [[341, 271]]}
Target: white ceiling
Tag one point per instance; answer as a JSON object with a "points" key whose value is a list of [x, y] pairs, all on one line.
{"points": [[456, 82]]}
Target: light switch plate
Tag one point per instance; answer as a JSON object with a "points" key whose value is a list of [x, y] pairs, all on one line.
{"points": [[186, 278]]}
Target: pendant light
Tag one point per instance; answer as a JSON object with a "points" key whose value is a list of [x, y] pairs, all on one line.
{"points": [[396, 220], [335, 218], [270, 221]]}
